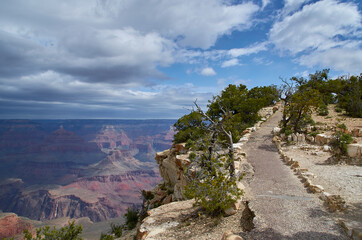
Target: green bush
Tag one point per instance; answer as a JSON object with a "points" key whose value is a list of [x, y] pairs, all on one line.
{"points": [[323, 110], [314, 133], [338, 109], [116, 229], [192, 156], [342, 126], [106, 237], [70, 232], [341, 142], [131, 217], [212, 188]]}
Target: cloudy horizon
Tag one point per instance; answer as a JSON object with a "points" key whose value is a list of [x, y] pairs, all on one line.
{"points": [[151, 59]]}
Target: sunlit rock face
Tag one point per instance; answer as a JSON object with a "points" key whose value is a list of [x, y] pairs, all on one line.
{"points": [[78, 168]]}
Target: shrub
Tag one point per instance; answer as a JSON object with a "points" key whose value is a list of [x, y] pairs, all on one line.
{"points": [[213, 189], [323, 110], [341, 142], [147, 195], [342, 126], [70, 232], [192, 156], [338, 109], [106, 237], [131, 217], [314, 133], [116, 229]]}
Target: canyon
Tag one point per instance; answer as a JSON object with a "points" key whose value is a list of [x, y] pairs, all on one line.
{"points": [[78, 168]]}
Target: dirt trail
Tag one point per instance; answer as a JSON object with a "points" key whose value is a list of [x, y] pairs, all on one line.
{"points": [[283, 208]]}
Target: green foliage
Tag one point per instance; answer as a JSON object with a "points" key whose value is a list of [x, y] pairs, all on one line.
{"points": [[350, 95], [300, 108], [189, 127], [323, 110], [192, 156], [190, 144], [213, 188], [338, 109], [314, 133], [70, 232], [116, 229], [147, 195], [341, 142], [266, 96], [342, 126], [131, 217], [106, 237]]}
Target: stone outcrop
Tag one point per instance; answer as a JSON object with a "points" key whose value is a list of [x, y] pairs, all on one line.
{"points": [[172, 164], [355, 150], [11, 225]]}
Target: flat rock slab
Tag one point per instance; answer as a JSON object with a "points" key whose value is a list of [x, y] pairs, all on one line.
{"points": [[283, 207]]}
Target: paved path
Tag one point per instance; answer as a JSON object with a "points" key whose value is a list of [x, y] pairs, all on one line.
{"points": [[283, 208]]}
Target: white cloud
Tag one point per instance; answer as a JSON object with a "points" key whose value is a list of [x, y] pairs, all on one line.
{"points": [[230, 63], [208, 71], [343, 59], [265, 3], [324, 34], [292, 5], [316, 26], [190, 23], [237, 52]]}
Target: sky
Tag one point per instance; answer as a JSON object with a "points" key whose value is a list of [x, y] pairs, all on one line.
{"points": [[150, 59]]}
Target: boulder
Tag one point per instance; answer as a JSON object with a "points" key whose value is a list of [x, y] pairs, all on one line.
{"points": [[326, 148], [276, 130], [323, 139], [228, 235], [354, 150], [310, 138], [180, 148]]}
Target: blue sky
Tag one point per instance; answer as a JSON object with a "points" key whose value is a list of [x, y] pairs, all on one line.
{"points": [[152, 59]]}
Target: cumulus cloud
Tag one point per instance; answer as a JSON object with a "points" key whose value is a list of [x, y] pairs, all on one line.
{"points": [[98, 54], [208, 71], [351, 61], [190, 23], [291, 6], [318, 32]]}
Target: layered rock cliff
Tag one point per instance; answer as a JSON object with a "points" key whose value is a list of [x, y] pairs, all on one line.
{"points": [[96, 172]]}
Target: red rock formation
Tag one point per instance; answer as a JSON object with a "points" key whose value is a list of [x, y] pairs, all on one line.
{"points": [[11, 225]]}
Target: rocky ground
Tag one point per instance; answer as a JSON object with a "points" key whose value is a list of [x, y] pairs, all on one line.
{"points": [[336, 179]]}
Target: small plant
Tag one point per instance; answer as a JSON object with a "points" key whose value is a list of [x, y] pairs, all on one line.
{"points": [[341, 141], [169, 192], [338, 109], [106, 237], [314, 133], [342, 126], [163, 187], [147, 195], [323, 110], [131, 217], [213, 188], [116, 229], [192, 156]]}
